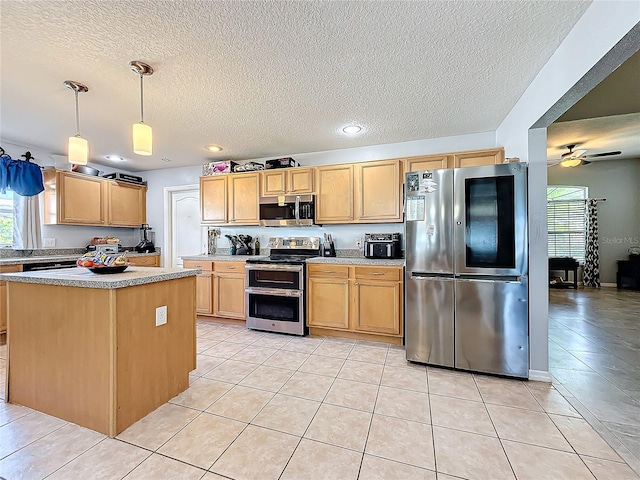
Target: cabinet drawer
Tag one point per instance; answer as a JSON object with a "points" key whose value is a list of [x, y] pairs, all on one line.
{"points": [[328, 270], [150, 261], [204, 265], [379, 273], [229, 267]]}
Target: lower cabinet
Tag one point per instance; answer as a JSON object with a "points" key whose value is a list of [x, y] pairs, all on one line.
{"points": [[228, 296], [3, 294], [219, 288], [145, 260], [356, 299]]}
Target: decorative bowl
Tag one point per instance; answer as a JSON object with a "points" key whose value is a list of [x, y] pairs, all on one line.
{"points": [[114, 269]]}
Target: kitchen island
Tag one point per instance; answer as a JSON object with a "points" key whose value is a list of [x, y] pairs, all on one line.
{"points": [[85, 347]]}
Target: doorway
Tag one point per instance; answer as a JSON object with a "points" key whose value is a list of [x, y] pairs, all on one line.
{"points": [[183, 233]]}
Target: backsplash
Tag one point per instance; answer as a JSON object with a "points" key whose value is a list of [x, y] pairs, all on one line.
{"points": [[47, 252]]}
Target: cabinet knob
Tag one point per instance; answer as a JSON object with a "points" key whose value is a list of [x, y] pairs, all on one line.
{"points": [[328, 271], [376, 273], [344, 283], [356, 283], [231, 268]]}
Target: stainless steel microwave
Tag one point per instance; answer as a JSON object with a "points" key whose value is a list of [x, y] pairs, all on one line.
{"points": [[287, 211]]}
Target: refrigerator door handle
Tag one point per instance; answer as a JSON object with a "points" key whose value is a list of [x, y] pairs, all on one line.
{"points": [[517, 280]]}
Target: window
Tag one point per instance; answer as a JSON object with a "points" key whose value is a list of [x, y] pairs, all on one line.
{"points": [[566, 211], [6, 219]]}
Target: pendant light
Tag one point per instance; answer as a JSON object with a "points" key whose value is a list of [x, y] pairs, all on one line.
{"points": [[142, 137], [78, 148]]}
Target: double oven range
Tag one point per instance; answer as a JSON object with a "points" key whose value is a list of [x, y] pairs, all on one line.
{"points": [[275, 286]]}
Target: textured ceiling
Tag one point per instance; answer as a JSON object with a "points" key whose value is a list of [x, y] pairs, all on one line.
{"points": [[268, 79]]}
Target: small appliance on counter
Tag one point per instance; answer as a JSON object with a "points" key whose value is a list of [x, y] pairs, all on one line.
{"points": [[146, 240], [328, 248], [382, 245]]}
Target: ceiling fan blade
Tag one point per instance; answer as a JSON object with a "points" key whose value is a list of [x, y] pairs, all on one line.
{"points": [[605, 154]]}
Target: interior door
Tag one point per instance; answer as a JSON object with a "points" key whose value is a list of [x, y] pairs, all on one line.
{"points": [[188, 237]]}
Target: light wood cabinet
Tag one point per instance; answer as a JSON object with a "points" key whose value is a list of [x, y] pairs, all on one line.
{"points": [[229, 296], [213, 199], [477, 158], [292, 181], [243, 199], [334, 198], [430, 162], [379, 191], [145, 260], [75, 199], [371, 189], [219, 288], [126, 205], [356, 300], [472, 158], [204, 285], [328, 300], [230, 199], [3, 294]]}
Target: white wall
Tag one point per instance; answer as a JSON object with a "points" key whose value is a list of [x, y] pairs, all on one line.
{"points": [[70, 236], [580, 51]]}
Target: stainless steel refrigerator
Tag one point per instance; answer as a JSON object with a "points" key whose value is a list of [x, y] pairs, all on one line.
{"points": [[466, 288]]}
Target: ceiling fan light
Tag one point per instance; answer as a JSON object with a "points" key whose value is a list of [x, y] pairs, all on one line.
{"points": [[571, 162], [142, 139], [78, 150]]}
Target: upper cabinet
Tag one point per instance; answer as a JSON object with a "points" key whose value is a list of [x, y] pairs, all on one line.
{"points": [[478, 157], [379, 191], [431, 162], [230, 199], [368, 192], [334, 194], [76, 199], [287, 181], [127, 204]]}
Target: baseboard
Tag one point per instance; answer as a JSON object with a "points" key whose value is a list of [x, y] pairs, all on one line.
{"points": [[609, 285], [540, 376]]}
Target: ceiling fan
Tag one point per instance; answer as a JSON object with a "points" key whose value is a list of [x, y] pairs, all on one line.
{"points": [[574, 158]]}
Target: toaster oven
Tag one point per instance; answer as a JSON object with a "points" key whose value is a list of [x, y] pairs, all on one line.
{"points": [[382, 245]]}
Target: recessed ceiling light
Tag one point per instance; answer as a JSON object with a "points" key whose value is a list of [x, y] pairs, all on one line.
{"points": [[214, 148], [352, 129], [166, 160], [115, 158]]}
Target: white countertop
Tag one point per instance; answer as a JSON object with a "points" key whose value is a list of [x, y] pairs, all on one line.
{"points": [[83, 277]]}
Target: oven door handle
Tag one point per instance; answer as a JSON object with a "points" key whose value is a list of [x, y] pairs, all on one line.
{"points": [[274, 291], [284, 268]]}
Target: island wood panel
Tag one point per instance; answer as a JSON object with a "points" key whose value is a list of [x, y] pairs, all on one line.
{"points": [[63, 368], [153, 363], [95, 357]]}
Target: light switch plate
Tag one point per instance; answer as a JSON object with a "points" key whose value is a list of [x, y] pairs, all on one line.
{"points": [[49, 242], [161, 315]]}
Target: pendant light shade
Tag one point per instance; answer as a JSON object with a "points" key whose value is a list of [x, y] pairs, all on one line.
{"points": [[142, 139], [78, 150], [78, 147], [142, 135]]}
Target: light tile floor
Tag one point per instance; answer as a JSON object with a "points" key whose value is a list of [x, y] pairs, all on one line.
{"points": [[594, 357], [266, 406]]}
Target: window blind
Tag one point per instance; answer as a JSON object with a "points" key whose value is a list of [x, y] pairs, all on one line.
{"points": [[567, 230]]}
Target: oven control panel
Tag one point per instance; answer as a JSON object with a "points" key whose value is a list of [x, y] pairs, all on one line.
{"points": [[312, 243]]}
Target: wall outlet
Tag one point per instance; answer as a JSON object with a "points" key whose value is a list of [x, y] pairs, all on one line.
{"points": [[161, 315], [358, 242], [49, 242]]}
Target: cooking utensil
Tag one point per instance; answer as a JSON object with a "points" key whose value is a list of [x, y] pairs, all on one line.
{"points": [[85, 169]]}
